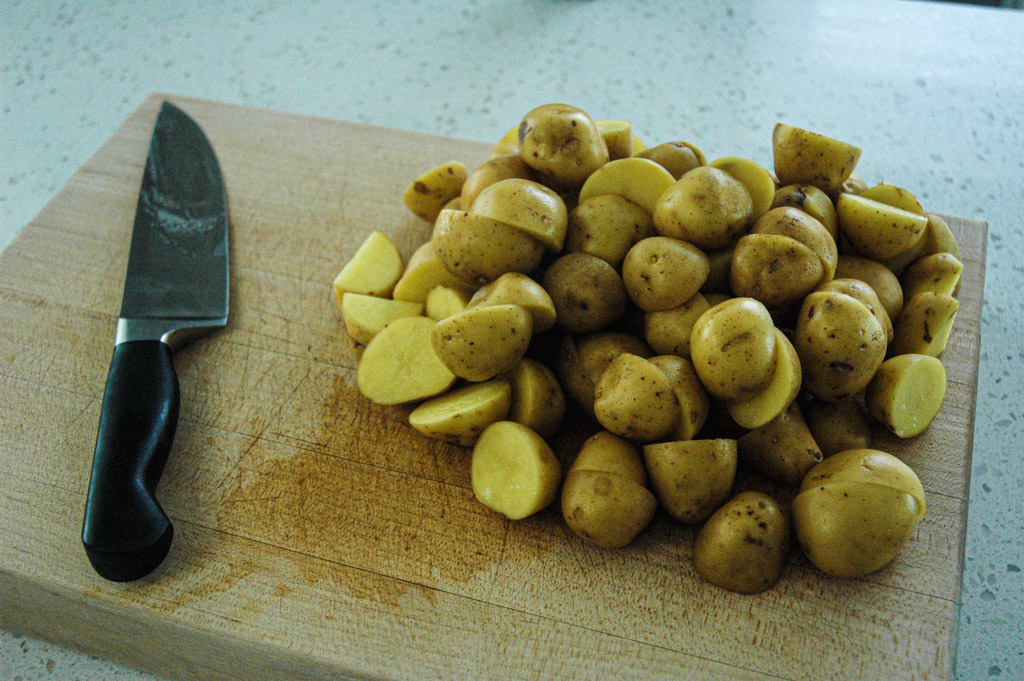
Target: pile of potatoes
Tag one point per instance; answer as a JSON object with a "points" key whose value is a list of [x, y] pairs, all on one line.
{"points": [[707, 316]]}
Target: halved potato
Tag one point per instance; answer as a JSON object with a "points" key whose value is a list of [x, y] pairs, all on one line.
{"points": [[618, 137], [495, 169], [513, 471], [812, 201], [514, 288], [423, 274], [805, 157], [526, 205], [879, 277], [758, 181], [537, 398], [461, 415], [878, 230], [694, 402], [478, 249], [693, 478], [940, 237], [399, 365], [481, 343], [895, 196], [443, 302], [606, 509], [374, 269], [428, 193], [637, 179], [365, 316], [779, 394], [668, 331], [938, 273], [924, 325], [907, 393], [608, 453], [635, 400], [678, 158]]}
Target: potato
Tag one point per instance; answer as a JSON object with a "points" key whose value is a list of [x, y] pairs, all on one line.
{"points": [[880, 278], [606, 452], [878, 230], [618, 137], [812, 201], [720, 262], [924, 325], [798, 225], [662, 273], [635, 400], [938, 273], [906, 393], [668, 331], [939, 238], [758, 181], [706, 207], [638, 180], [373, 270], [477, 249], [744, 545], [855, 288], [428, 194], [423, 274], [693, 399], [537, 400], [854, 184], [678, 158], [716, 298], [525, 205], [495, 169], [900, 261], [518, 289], [837, 426], [892, 195], [562, 144], [856, 510], [804, 157], [365, 316], [693, 478], [733, 349], [481, 343], [840, 344], [780, 393], [581, 362], [783, 449], [774, 269], [587, 292], [607, 226], [444, 302], [605, 509], [513, 471], [399, 365], [461, 415]]}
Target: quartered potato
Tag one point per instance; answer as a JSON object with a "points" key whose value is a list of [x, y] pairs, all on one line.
{"points": [[513, 471], [373, 270], [691, 479], [537, 400], [526, 205], [924, 325], [804, 157], [779, 394], [514, 288], [481, 343], [938, 273], [365, 316], [678, 158], [706, 207], [907, 393], [423, 274], [428, 193], [462, 415], [638, 180], [399, 364]]}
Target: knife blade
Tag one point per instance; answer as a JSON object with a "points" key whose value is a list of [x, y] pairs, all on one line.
{"points": [[176, 288]]}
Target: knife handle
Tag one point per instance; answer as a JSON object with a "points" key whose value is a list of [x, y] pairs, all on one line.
{"points": [[125, 531]]}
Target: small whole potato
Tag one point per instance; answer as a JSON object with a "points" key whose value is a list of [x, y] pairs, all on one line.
{"points": [[607, 226], [706, 207], [587, 292], [562, 144], [732, 346], [744, 545], [677, 158], [481, 343], [661, 273], [634, 399], [581, 362]]}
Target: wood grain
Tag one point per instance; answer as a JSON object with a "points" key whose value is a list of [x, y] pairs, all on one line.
{"points": [[317, 535]]}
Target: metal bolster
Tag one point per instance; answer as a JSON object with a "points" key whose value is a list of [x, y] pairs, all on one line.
{"points": [[172, 332]]}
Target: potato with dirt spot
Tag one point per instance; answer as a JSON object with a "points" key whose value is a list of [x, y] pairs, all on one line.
{"points": [[478, 250], [805, 157], [691, 478], [562, 144], [812, 201], [587, 292], [693, 399], [732, 346], [429, 193], [774, 269], [496, 169], [662, 273], [938, 273], [526, 205], [860, 290], [634, 399], [514, 288], [924, 325], [706, 207], [481, 343], [879, 277], [805, 229], [582, 361]]}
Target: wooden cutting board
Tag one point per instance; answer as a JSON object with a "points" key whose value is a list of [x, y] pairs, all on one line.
{"points": [[318, 536]]}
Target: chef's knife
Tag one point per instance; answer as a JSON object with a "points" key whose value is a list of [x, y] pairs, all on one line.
{"points": [[176, 288]]}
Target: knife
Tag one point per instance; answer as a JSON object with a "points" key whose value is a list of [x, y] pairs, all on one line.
{"points": [[176, 289]]}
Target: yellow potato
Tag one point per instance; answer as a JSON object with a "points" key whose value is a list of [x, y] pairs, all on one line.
{"points": [[525, 205], [774, 269], [939, 238], [518, 289], [720, 262], [706, 207], [428, 193], [906, 393], [373, 270], [938, 273], [780, 393], [587, 292], [854, 184], [618, 137], [605, 509], [562, 144], [635, 400], [477, 249], [812, 201], [607, 226], [743, 546], [461, 415], [582, 361], [481, 343], [838, 426], [668, 331], [537, 400], [606, 452], [900, 261], [423, 274], [365, 316], [859, 290], [399, 365], [638, 180], [694, 403], [804, 157], [880, 278], [733, 349], [443, 302], [895, 196], [798, 225], [513, 471], [924, 325], [783, 449], [691, 479], [878, 230], [638, 145], [758, 181], [495, 169], [678, 158], [662, 273]]}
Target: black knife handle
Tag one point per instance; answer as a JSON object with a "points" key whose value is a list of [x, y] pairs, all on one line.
{"points": [[125, 532]]}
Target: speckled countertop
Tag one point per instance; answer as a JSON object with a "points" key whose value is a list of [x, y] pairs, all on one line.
{"points": [[933, 93]]}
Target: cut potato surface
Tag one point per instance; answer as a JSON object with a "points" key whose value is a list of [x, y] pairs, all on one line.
{"points": [[907, 393], [774, 399], [513, 471], [894, 196], [423, 274], [374, 269], [399, 365], [938, 273], [618, 137], [462, 415], [805, 157], [537, 399], [878, 230], [444, 302], [365, 316], [428, 193], [635, 179]]}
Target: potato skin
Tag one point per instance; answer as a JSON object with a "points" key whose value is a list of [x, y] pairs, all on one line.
{"points": [[537, 400], [518, 289], [691, 478], [782, 449], [774, 269], [581, 362], [733, 349], [608, 453], [478, 250], [812, 201], [706, 207], [805, 157], [635, 400], [607, 226], [481, 343], [661, 273], [743, 546], [879, 277], [494, 170], [668, 331], [587, 292], [838, 426], [677, 158], [862, 292], [562, 144], [605, 509]]}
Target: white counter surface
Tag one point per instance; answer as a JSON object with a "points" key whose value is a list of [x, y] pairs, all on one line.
{"points": [[933, 93]]}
